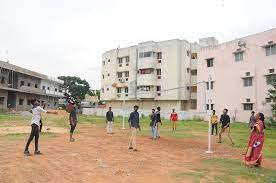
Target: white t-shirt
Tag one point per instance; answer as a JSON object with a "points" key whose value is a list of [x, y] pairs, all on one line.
{"points": [[37, 115]]}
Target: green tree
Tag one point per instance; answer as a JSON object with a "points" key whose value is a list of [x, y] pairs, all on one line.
{"points": [[272, 92], [76, 86]]}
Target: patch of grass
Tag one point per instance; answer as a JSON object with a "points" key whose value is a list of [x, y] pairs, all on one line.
{"points": [[227, 170], [230, 170]]}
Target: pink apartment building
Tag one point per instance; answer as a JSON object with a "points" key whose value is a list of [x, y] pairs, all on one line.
{"points": [[240, 71]]}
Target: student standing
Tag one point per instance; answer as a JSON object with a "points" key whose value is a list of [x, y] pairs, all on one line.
{"points": [[73, 122], [214, 121], [153, 124], [252, 120], [225, 126], [158, 121], [253, 156], [134, 125], [173, 119], [35, 123], [109, 120]]}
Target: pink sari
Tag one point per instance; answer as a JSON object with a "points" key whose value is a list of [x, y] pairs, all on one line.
{"points": [[253, 156]]}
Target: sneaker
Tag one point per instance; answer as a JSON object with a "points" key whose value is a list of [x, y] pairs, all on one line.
{"points": [[130, 148], [135, 149], [37, 153], [72, 140], [27, 153], [219, 142]]}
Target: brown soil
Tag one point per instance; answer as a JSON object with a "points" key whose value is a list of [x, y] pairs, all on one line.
{"points": [[98, 157], [26, 129]]}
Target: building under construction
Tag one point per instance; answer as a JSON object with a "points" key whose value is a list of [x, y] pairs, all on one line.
{"points": [[18, 86]]}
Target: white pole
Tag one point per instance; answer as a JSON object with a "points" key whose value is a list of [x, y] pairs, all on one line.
{"points": [[209, 115], [124, 111]]}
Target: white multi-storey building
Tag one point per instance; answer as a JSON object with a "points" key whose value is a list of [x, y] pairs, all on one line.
{"points": [[151, 74]]}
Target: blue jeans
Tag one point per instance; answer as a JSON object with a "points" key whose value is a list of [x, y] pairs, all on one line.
{"points": [[153, 130]]}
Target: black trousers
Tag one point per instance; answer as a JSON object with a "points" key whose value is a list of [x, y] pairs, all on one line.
{"points": [[73, 126], [40, 126], [34, 134], [215, 126]]}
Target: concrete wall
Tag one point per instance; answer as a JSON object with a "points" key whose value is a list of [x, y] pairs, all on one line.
{"points": [[183, 115]]}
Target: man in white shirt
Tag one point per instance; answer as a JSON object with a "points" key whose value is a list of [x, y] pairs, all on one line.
{"points": [[35, 123]]}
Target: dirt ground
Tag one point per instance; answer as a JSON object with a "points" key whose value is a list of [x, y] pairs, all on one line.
{"points": [[97, 157]]}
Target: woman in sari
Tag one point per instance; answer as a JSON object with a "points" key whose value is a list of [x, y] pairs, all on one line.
{"points": [[253, 156]]}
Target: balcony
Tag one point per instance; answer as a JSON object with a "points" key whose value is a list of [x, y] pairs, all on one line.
{"points": [[146, 94], [32, 90], [194, 64], [193, 80], [148, 62], [193, 95], [146, 79]]}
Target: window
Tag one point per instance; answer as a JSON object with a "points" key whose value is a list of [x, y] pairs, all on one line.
{"points": [[210, 62], [212, 106], [107, 89], [127, 60], [144, 88], [194, 72], [127, 74], [3, 80], [159, 61], [188, 88], [29, 84], [247, 74], [238, 56], [158, 88], [28, 102], [268, 100], [193, 104], [55, 104], [108, 60], [2, 99], [146, 54], [120, 74], [188, 53], [36, 85], [271, 71], [21, 101], [270, 78], [207, 106], [158, 71], [56, 89], [103, 76], [193, 89], [247, 82], [102, 90], [146, 71], [159, 55], [248, 100], [48, 88], [270, 50], [210, 87], [60, 90], [119, 90], [188, 70], [120, 61], [22, 83], [108, 74], [103, 62], [43, 87], [194, 56], [248, 107], [126, 90]]}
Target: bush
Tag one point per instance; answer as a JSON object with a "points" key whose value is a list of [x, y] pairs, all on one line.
{"points": [[270, 122]]}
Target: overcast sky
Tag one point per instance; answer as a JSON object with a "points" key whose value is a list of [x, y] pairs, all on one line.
{"points": [[68, 37]]}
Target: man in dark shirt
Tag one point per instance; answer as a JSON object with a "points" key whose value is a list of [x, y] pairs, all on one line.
{"points": [[158, 121], [133, 126], [252, 120], [225, 125], [109, 120], [153, 124]]}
